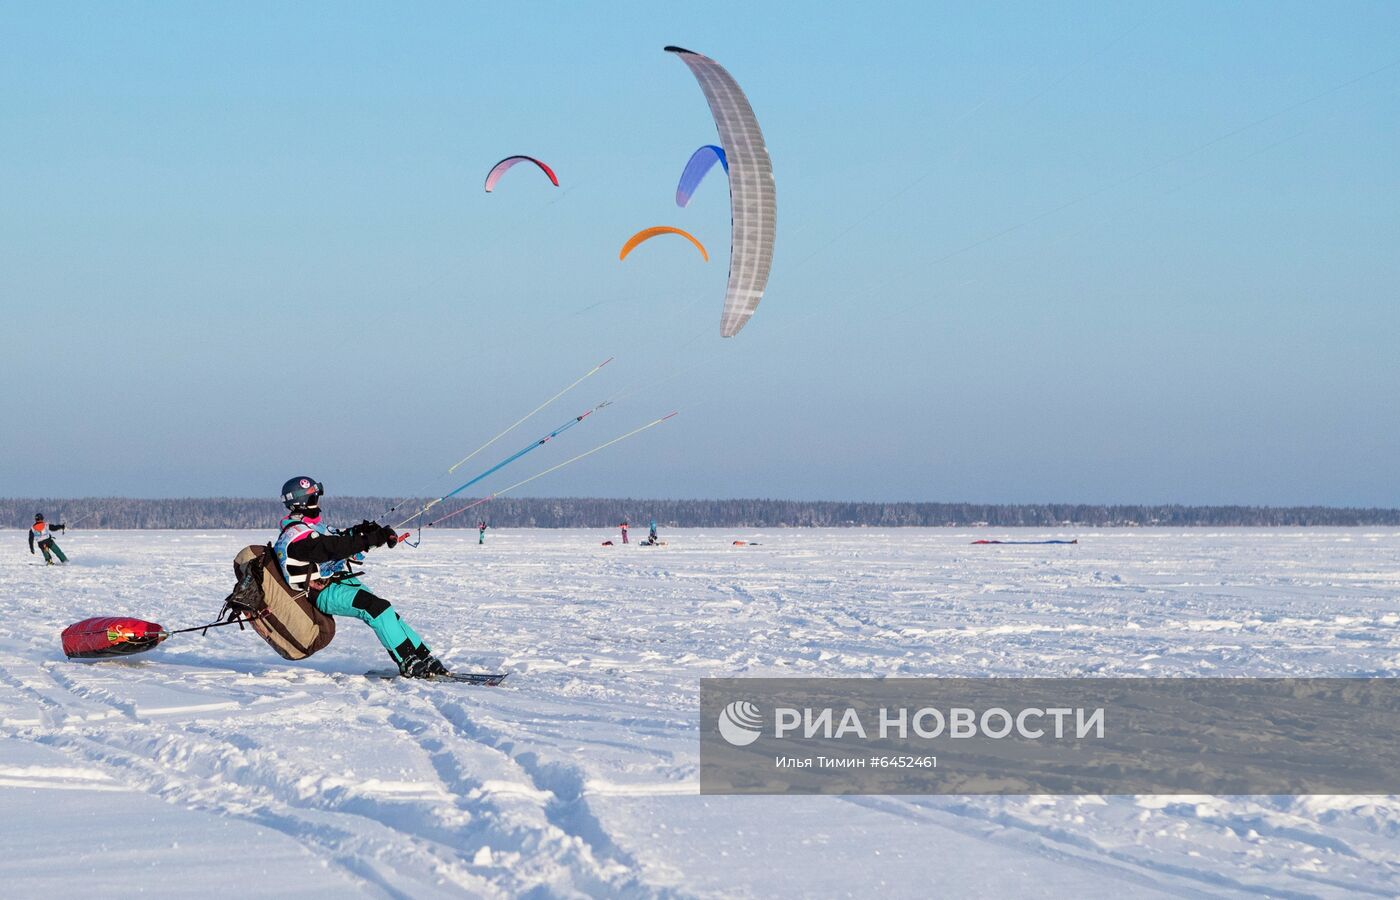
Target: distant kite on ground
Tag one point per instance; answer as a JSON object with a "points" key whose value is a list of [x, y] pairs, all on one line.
{"points": [[505, 165], [647, 234], [1075, 540], [753, 204]]}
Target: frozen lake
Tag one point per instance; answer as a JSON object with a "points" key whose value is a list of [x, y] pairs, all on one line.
{"points": [[211, 766]]}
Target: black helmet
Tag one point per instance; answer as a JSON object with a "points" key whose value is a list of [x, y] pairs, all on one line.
{"points": [[301, 491], [38, 517]]}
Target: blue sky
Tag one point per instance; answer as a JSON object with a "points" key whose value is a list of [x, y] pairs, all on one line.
{"points": [[1026, 252]]}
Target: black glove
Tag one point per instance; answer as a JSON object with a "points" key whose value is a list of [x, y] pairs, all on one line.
{"points": [[365, 528], [60, 527], [386, 536]]}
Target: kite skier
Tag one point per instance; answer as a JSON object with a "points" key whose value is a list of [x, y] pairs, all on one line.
{"points": [[623, 526], [481, 531], [317, 559], [41, 533]]}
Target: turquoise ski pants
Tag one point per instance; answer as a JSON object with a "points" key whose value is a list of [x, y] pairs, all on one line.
{"points": [[351, 598]]}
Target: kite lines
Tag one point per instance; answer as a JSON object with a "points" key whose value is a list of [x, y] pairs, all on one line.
{"points": [[516, 424], [554, 468], [419, 514], [582, 378], [505, 462]]}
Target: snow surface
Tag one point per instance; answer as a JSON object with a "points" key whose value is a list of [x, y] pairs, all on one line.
{"points": [[212, 767]]}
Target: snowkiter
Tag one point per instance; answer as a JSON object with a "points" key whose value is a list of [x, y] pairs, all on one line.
{"points": [[41, 533], [318, 559], [651, 535], [481, 532], [624, 531]]}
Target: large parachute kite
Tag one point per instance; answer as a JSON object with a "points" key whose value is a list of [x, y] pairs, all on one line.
{"points": [[505, 165], [647, 234], [753, 203]]}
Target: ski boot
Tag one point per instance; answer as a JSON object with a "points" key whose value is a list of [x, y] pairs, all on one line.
{"points": [[421, 664]]}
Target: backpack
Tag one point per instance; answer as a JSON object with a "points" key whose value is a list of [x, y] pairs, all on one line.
{"points": [[286, 619]]}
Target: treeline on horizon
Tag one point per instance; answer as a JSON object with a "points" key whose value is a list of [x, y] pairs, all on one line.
{"points": [[597, 512]]}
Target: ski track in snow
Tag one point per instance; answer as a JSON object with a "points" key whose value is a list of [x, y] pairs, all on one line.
{"points": [[578, 777]]}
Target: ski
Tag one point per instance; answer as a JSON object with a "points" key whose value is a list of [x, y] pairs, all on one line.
{"points": [[489, 679]]}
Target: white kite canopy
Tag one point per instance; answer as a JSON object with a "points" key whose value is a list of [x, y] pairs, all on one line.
{"points": [[753, 200]]}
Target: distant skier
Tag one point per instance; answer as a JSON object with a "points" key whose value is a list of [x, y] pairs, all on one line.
{"points": [[623, 526], [651, 535], [41, 533], [481, 532], [317, 559]]}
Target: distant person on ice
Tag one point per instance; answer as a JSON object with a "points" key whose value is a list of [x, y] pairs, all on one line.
{"points": [[651, 535], [624, 531], [42, 534], [481, 532], [317, 559]]}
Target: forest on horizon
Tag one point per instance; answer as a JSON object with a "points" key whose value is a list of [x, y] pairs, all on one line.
{"points": [[597, 512]]}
